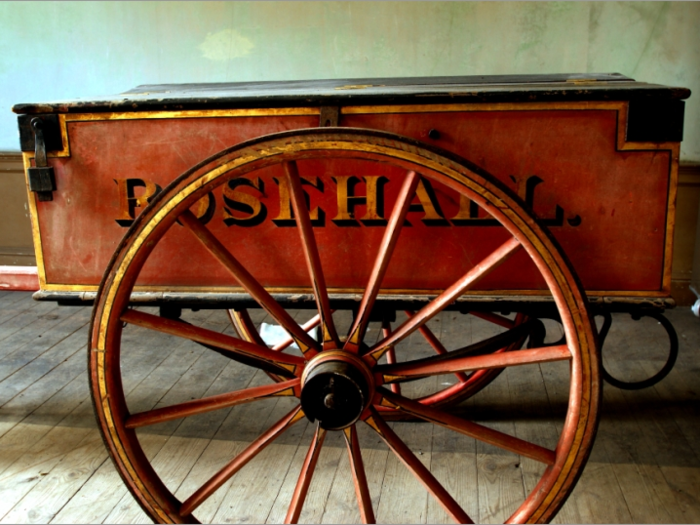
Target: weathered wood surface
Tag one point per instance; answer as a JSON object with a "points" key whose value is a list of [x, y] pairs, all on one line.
{"points": [[586, 86], [645, 466]]}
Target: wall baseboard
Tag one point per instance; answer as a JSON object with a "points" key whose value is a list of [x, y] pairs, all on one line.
{"points": [[19, 278]]}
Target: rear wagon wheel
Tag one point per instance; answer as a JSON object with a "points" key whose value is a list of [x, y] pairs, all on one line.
{"points": [[341, 381]]}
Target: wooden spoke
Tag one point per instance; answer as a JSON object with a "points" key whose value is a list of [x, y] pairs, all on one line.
{"points": [[419, 470], [257, 446], [480, 432], [435, 306], [311, 323], [391, 236], [307, 472], [494, 318], [305, 342], [484, 354], [244, 326], [313, 260], [250, 353], [390, 354], [241, 318], [433, 341], [207, 404], [359, 477], [414, 370]]}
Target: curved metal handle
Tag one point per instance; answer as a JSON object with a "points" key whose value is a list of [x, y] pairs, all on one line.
{"points": [[41, 176]]}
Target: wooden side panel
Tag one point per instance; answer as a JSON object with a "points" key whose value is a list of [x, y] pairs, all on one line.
{"points": [[607, 208]]}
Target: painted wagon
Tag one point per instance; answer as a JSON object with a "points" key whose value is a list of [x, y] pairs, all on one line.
{"points": [[438, 198]]}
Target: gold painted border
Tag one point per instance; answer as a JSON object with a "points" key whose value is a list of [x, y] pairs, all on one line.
{"points": [[621, 107], [34, 220], [622, 145], [65, 118], [355, 291], [484, 106]]}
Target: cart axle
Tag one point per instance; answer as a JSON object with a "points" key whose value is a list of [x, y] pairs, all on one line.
{"points": [[336, 389]]}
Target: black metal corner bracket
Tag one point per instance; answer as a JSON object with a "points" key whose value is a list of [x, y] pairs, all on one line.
{"points": [[655, 121], [51, 129]]}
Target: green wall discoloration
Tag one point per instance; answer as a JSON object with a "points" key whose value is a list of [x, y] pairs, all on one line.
{"points": [[65, 50]]}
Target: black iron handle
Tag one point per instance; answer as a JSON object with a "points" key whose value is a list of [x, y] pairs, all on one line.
{"points": [[41, 176]]}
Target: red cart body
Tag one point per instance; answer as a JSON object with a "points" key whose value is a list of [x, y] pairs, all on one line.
{"points": [[596, 158]]}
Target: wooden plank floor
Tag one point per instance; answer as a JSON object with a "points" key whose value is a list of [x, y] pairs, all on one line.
{"points": [[645, 466]]}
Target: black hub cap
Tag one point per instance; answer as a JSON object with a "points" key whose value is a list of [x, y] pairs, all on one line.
{"points": [[335, 393]]}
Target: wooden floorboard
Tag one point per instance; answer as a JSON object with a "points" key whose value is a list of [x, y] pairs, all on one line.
{"points": [[644, 468]]}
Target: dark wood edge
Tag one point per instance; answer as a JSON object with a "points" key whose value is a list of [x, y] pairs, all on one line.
{"points": [[360, 92]]}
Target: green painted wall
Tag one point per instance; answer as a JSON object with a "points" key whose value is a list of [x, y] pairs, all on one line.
{"points": [[59, 50]]}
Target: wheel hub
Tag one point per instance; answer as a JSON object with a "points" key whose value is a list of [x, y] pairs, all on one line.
{"points": [[336, 388]]}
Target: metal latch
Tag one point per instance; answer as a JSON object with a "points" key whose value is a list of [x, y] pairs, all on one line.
{"points": [[330, 116], [41, 176]]}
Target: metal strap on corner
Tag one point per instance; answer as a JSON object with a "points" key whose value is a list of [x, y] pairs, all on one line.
{"points": [[41, 176]]}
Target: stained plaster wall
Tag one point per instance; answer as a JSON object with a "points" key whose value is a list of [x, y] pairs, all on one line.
{"points": [[61, 50]]}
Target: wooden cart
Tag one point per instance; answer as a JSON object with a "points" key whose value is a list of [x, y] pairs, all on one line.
{"points": [[355, 199]]}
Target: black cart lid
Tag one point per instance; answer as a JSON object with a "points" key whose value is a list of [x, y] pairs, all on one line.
{"points": [[366, 91]]}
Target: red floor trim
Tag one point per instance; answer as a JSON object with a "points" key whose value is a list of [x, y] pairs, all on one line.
{"points": [[23, 278]]}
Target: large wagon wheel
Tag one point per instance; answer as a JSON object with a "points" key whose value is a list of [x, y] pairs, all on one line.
{"points": [[341, 384]]}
